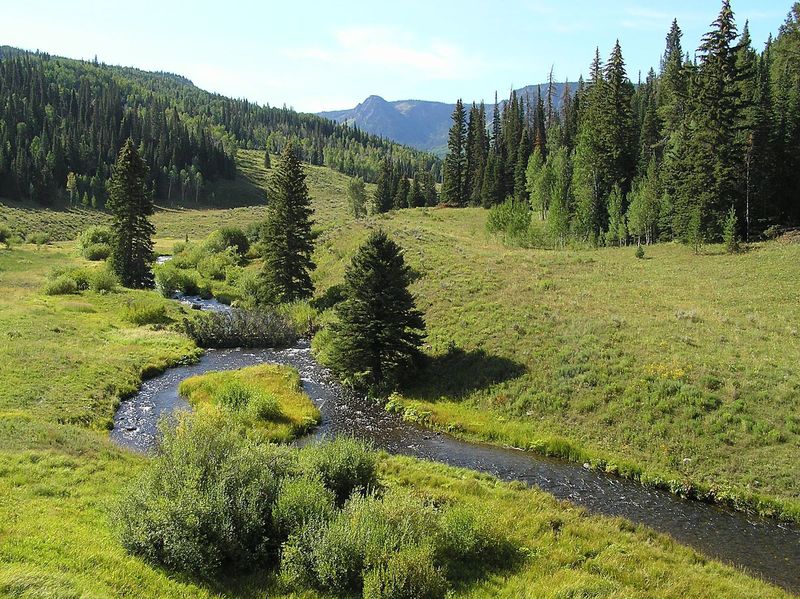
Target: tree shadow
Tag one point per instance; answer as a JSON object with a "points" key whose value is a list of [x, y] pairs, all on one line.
{"points": [[458, 373]]}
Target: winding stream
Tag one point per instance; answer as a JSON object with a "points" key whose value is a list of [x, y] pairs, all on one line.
{"points": [[764, 547]]}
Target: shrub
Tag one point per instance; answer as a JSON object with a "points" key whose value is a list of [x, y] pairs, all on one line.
{"points": [[302, 502], [5, 234], [640, 252], [364, 535], [97, 252], [512, 218], [730, 232], [344, 466], [466, 544], [95, 242], [216, 266], [228, 237], [170, 279], [38, 238], [145, 311], [203, 506], [61, 285], [240, 328], [408, 574], [103, 281]]}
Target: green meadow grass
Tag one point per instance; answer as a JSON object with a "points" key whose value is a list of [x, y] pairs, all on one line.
{"points": [[679, 370], [298, 415], [593, 355]]}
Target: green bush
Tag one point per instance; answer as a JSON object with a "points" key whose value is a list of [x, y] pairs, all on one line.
{"points": [[145, 311], [5, 234], [216, 266], [228, 237], [170, 279], [466, 544], [97, 252], [344, 466], [61, 285], [95, 243], [640, 252], [240, 328], [302, 502], [103, 281], [408, 574], [203, 505], [38, 238], [363, 535], [512, 218]]}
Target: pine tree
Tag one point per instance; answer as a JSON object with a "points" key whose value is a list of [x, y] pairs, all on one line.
{"points": [[455, 161], [617, 233], [714, 158], [383, 197], [130, 204], [288, 240], [401, 196], [558, 215], [379, 331], [357, 194]]}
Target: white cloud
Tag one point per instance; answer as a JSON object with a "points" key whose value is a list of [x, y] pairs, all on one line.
{"points": [[393, 49]]}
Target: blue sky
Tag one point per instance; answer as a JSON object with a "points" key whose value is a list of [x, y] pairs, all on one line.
{"points": [[325, 55]]}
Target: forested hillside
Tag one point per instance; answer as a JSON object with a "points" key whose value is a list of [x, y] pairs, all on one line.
{"points": [[696, 146], [63, 121]]}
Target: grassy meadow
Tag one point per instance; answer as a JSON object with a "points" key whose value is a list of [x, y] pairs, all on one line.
{"points": [[677, 368], [66, 360]]}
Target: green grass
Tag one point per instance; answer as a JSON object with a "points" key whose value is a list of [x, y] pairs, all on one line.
{"points": [[26, 219], [589, 327], [298, 415], [679, 370]]}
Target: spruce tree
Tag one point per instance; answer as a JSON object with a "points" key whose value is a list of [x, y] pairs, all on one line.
{"points": [[384, 196], [357, 194], [455, 167], [288, 240], [379, 330], [131, 203], [558, 216]]}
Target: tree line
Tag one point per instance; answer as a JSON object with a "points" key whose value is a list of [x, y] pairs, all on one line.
{"points": [[703, 143], [63, 123]]}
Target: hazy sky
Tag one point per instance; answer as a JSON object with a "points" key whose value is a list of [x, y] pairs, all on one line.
{"points": [[325, 55]]}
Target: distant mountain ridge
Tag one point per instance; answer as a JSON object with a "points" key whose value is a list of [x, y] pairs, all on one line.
{"points": [[421, 124]]}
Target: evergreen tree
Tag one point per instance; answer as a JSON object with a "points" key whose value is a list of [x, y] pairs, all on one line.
{"points": [[455, 167], [559, 213], [379, 331], [357, 194], [288, 240], [267, 160], [538, 184], [617, 233], [383, 197], [130, 204], [401, 196]]}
